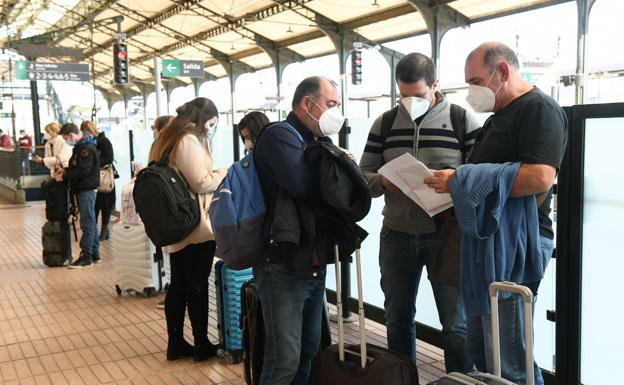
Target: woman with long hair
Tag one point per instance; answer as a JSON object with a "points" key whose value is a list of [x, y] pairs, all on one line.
{"points": [[104, 202], [250, 126], [185, 140]]}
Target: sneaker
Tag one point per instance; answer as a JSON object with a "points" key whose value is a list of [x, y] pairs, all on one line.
{"points": [[84, 261], [161, 305], [96, 257]]}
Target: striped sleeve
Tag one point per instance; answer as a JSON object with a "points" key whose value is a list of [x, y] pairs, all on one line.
{"points": [[372, 158]]}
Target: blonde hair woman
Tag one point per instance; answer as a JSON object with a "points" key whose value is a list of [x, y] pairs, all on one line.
{"points": [[56, 151], [184, 139]]}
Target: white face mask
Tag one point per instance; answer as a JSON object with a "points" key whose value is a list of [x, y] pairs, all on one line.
{"points": [[331, 120], [47, 136], [416, 106], [248, 145], [481, 98]]}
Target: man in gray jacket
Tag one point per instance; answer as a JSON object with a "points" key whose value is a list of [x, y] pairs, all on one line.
{"points": [[425, 125]]}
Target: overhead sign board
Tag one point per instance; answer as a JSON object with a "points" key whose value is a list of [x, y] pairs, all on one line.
{"points": [[31, 70], [173, 68]]}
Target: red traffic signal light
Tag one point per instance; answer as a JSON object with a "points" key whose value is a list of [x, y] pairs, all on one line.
{"points": [[120, 63], [356, 67]]}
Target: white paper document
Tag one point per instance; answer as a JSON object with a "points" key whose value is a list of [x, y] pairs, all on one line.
{"points": [[408, 174]]}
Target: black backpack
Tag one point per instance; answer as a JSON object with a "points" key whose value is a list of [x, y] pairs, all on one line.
{"points": [[458, 121], [164, 204]]}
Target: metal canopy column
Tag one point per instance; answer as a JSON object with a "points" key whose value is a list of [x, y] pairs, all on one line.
{"points": [[196, 84], [234, 69], [583, 8], [157, 86], [440, 19], [281, 57]]}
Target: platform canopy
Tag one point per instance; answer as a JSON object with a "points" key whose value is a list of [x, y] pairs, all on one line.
{"points": [[229, 36]]}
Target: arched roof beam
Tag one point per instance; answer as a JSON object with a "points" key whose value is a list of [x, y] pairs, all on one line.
{"points": [[148, 22], [82, 14], [440, 18], [343, 38], [279, 56]]}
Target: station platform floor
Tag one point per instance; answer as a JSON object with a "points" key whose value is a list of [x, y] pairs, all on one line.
{"points": [[61, 326]]}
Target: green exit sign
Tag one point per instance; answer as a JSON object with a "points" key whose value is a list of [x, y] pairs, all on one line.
{"points": [[6, 115], [171, 68]]}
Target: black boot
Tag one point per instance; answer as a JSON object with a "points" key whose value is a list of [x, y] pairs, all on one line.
{"points": [[197, 299], [174, 313], [104, 233]]}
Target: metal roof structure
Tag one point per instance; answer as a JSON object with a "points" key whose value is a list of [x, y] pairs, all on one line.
{"points": [[231, 37]]}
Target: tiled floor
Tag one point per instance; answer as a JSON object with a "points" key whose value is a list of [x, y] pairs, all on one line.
{"points": [[59, 326]]}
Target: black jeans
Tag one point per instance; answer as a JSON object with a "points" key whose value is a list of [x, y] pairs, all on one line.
{"points": [[104, 202], [190, 269]]}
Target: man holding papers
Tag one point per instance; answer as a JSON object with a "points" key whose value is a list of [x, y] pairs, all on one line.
{"points": [[424, 131]]}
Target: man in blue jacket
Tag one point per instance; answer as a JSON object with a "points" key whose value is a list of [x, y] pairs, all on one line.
{"points": [[292, 305], [83, 176], [528, 127]]}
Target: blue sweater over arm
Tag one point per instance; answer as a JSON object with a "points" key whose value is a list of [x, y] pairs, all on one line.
{"points": [[500, 235]]}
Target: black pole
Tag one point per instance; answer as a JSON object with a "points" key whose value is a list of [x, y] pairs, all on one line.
{"points": [[345, 266], [235, 142], [34, 98]]}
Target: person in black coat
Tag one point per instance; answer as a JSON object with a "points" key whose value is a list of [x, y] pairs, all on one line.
{"points": [[104, 202]]}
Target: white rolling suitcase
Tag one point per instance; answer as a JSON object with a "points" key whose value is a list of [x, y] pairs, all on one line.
{"points": [[137, 267]]}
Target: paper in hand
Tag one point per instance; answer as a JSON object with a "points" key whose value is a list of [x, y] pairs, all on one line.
{"points": [[408, 174]]}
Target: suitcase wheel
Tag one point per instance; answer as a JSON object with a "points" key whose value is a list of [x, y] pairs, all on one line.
{"points": [[149, 291], [118, 289]]}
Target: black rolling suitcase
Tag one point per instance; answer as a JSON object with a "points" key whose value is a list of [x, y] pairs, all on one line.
{"points": [[252, 331], [56, 241], [478, 378], [362, 364]]}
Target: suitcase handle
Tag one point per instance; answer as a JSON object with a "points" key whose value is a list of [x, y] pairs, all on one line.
{"points": [[527, 299], [339, 305]]}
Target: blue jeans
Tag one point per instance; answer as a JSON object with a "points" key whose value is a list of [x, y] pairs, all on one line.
{"points": [[511, 325], [292, 311], [89, 242], [401, 260]]}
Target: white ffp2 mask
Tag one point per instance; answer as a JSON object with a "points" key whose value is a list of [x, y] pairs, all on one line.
{"points": [[416, 106], [331, 120], [482, 98]]}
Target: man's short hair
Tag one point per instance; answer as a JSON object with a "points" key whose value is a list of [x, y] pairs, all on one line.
{"points": [[416, 66], [69, 128], [310, 86], [495, 53]]}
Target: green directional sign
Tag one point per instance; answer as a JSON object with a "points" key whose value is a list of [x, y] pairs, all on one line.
{"points": [[21, 70], [172, 68]]}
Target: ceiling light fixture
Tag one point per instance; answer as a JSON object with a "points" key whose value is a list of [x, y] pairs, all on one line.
{"points": [[375, 4], [289, 29]]}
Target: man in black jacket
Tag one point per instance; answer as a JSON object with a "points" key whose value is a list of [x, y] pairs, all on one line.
{"points": [[83, 175], [291, 304]]}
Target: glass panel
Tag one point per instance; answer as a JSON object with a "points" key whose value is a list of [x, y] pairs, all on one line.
{"points": [[603, 231], [142, 143]]}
